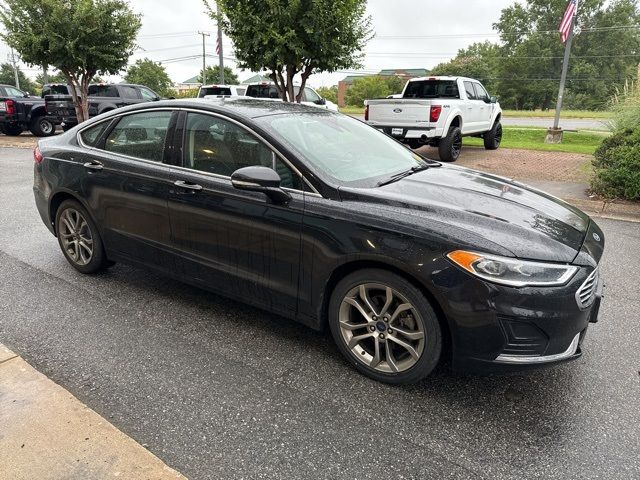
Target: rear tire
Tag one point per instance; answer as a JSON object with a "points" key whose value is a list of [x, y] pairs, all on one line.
{"points": [[493, 137], [450, 146], [12, 130], [390, 332], [79, 238], [42, 127]]}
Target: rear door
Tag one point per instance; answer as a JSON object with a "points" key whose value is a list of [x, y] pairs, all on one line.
{"points": [[234, 241], [486, 108], [472, 109], [126, 183]]}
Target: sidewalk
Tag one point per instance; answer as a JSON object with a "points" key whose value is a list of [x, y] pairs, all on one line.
{"points": [[46, 433]]}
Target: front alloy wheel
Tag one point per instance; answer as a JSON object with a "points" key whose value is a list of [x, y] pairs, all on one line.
{"points": [[384, 326]]}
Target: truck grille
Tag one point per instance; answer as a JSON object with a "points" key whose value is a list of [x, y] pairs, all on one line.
{"points": [[587, 291]]}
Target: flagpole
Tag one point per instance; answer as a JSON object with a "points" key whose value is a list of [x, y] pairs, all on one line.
{"points": [[555, 135], [220, 59]]}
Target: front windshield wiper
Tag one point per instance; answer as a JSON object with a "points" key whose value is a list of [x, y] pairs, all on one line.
{"points": [[401, 175]]}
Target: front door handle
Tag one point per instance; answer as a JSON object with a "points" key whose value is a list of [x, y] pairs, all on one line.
{"points": [[96, 166], [189, 186]]}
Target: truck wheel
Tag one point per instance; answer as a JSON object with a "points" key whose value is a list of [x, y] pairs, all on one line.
{"points": [[493, 137], [12, 130], [42, 127], [450, 146]]}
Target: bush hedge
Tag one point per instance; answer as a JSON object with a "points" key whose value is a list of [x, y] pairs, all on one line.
{"points": [[617, 165]]}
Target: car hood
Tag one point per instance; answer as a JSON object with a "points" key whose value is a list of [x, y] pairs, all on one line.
{"points": [[526, 222]]}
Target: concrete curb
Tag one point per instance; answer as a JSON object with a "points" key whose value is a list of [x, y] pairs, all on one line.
{"points": [[626, 211], [46, 433]]}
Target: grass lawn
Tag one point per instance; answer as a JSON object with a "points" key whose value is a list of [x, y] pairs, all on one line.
{"points": [[533, 139], [519, 113]]}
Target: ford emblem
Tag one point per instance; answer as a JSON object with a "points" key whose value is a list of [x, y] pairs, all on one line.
{"points": [[596, 237], [397, 110]]}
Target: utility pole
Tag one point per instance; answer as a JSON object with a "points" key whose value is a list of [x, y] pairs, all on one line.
{"points": [[554, 134], [12, 59], [204, 54], [45, 74], [219, 45]]}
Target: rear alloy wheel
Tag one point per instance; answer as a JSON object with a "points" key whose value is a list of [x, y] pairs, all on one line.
{"points": [[493, 137], [450, 146], [42, 127], [79, 238], [385, 326]]}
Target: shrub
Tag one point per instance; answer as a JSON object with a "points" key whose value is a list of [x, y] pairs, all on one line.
{"points": [[191, 93], [617, 166]]}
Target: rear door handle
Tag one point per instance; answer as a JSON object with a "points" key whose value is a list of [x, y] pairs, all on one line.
{"points": [[189, 186], [96, 166]]}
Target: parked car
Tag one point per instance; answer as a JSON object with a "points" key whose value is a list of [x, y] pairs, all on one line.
{"points": [[439, 111], [318, 217], [309, 96], [222, 91], [102, 98], [20, 111]]}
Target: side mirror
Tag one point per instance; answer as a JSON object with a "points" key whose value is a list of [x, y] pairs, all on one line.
{"points": [[27, 94], [493, 99], [322, 101], [261, 179]]}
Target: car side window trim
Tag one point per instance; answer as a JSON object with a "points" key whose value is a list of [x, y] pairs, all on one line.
{"points": [[180, 147]]}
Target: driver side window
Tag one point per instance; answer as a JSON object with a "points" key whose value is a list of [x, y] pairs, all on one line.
{"points": [[215, 145]]}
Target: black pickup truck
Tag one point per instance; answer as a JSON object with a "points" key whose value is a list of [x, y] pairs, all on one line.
{"points": [[102, 98], [20, 111]]}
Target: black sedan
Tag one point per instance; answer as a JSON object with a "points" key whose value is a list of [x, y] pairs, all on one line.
{"points": [[323, 219]]}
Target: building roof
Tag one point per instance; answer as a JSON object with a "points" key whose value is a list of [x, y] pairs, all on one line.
{"points": [[411, 72], [255, 79], [192, 80]]}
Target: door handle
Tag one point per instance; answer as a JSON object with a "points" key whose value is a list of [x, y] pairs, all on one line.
{"points": [[96, 166], [189, 186]]}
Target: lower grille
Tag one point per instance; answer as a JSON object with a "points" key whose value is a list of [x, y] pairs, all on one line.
{"points": [[586, 294]]}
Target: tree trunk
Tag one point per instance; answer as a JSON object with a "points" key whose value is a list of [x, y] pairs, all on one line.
{"points": [[283, 86], [291, 71], [305, 75]]}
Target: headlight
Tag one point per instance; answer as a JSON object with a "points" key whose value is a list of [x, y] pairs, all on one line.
{"points": [[511, 271]]}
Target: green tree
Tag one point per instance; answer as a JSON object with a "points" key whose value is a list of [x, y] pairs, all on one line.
{"points": [[395, 84], [56, 77], [604, 55], [213, 76], [7, 77], [367, 88], [80, 38], [287, 37], [330, 93], [151, 74]]}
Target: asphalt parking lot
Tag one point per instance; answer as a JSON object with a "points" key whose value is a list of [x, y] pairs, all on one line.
{"points": [[220, 390]]}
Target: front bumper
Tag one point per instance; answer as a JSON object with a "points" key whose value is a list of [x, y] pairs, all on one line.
{"points": [[496, 328]]}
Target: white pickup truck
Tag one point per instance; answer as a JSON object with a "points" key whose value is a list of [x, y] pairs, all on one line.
{"points": [[439, 111]]}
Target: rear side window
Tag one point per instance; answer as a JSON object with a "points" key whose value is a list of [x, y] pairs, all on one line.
{"points": [[471, 93], [103, 91], [14, 92], [90, 136], [432, 89], [262, 91], [148, 94], [214, 91], [140, 135]]}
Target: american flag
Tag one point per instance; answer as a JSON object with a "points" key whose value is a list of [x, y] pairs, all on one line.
{"points": [[567, 20], [218, 46]]}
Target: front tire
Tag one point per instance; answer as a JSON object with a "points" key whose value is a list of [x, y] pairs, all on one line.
{"points": [[385, 326], [493, 137], [79, 238], [450, 146], [42, 127]]}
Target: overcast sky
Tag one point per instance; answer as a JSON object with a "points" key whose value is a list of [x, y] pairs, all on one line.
{"points": [[409, 34]]}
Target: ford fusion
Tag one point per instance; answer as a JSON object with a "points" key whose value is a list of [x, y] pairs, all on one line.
{"points": [[323, 219]]}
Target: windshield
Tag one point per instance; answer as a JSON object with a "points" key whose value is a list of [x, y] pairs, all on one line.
{"points": [[342, 148], [432, 89]]}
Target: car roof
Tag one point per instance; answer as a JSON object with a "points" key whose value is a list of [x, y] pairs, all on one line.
{"points": [[221, 85], [236, 106]]}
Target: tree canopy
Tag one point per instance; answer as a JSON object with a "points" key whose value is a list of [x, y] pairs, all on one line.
{"points": [[524, 68], [213, 75], [151, 74], [374, 86], [290, 37], [80, 38]]}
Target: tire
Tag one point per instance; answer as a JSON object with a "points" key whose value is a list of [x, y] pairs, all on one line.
{"points": [[73, 232], [348, 323], [12, 130], [493, 137], [41, 126], [450, 146]]}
